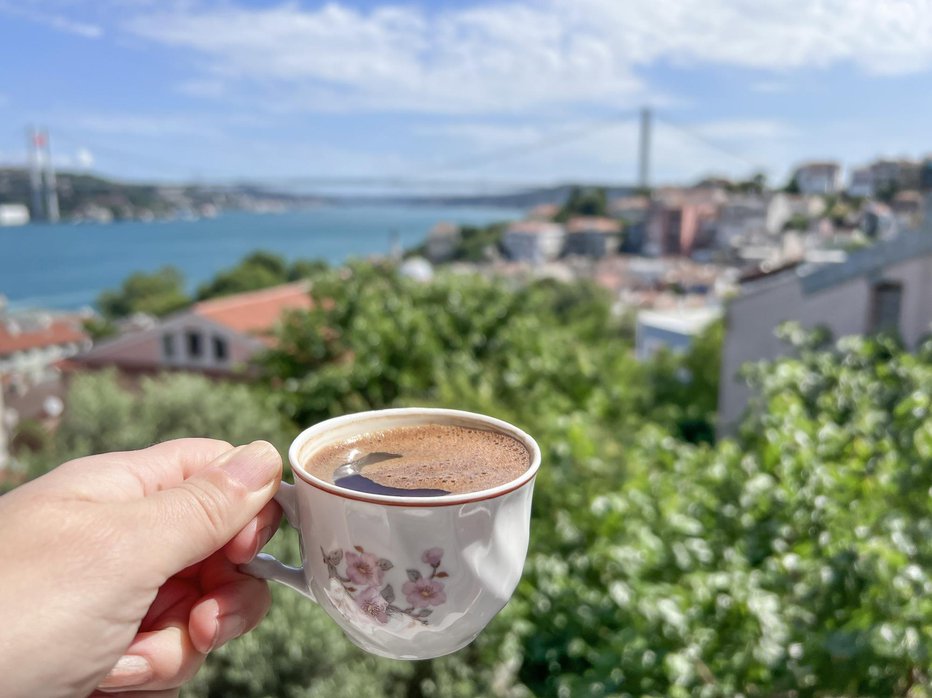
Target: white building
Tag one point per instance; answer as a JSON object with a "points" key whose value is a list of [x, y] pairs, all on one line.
{"points": [[31, 343], [13, 214], [886, 287], [862, 182], [818, 178], [534, 241], [673, 330]]}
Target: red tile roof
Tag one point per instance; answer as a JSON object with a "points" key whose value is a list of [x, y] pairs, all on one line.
{"points": [[58, 331], [255, 312], [590, 224]]}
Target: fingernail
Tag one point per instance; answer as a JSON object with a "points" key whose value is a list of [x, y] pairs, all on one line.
{"points": [[130, 670], [228, 627], [264, 536], [255, 465]]}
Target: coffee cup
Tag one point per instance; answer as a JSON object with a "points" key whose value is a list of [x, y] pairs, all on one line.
{"points": [[405, 577]]}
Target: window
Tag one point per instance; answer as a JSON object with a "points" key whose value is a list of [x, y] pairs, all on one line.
{"points": [[168, 346], [885, 311], [220, 349], [195, 345]]}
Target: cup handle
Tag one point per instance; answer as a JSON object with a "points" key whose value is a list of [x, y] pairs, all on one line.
{"points": [[265, 566]]}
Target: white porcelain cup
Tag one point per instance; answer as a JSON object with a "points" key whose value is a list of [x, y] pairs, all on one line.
{"points": [[405, 577]]}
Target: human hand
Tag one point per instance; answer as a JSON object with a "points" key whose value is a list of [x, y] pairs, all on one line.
{"points": [[118, 572]]}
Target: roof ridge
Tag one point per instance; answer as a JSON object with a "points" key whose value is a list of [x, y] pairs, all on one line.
{"points": [[248, 296]]}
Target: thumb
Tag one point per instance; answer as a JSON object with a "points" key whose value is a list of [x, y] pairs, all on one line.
{"points": [[200, 515]]}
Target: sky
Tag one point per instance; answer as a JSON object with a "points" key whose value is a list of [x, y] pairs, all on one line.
{"points": [[463, 93]]}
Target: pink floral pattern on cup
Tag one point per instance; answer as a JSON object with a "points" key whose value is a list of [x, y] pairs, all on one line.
{"points": [[363, 576]]}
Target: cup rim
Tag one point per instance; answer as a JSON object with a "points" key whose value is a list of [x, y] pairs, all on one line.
{"points": [[459, 417]]}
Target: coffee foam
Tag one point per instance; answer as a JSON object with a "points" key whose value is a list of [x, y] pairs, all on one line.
{"points": [[443, 457]]}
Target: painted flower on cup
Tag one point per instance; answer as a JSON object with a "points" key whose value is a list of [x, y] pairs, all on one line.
{"points": [[363, 569], [373, 604], [432, 557], [362, 583], [424, 592]]}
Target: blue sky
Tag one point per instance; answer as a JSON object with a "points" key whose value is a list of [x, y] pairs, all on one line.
{"points": [[437, 90]]}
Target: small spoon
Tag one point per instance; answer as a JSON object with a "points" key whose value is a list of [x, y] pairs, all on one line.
{"points": [[354, 467]]}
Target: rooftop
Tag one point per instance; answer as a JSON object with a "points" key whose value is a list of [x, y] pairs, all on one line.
{"points": [[680, 320], [587, 224], [255, 312], [535, 227], [17, 335]]}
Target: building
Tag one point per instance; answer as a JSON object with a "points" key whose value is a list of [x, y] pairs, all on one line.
{"points": [[756, 218], [543, 212], [894, 174], [217, 337], [32, 343], [13, 214], [907, 207], [818, 178], [885, 287], [862, 182], [592, 236], [679, 222], [533, 241], [442, 241], [632, 212], [673, 329]]}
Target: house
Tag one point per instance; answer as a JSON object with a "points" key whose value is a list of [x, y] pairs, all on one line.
{"points": [[533, 241], [885, 287], [862, 182], [672, 329], [679, 222], [592, 236], [907, 207], [632, 212], [818, 178], [31, 343], [894, 174], [442, 241], [753, 218], [543, 212], [217, 337]]}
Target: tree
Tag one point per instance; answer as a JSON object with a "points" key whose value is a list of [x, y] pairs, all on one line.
{"points": [[583, 201], [102, 415], [258, 270], [159, 293]]}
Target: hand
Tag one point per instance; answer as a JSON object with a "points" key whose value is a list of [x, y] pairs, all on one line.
{"points": [[118, 572]]}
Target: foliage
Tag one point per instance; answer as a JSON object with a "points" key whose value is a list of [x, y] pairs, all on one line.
{"points": [[259, 270], [103, 415], [158, 293], [476, 242], [798, 221], [790, 561], [583, 201]]}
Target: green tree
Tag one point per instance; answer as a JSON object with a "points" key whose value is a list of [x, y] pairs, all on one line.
{"points": [[583, 201], [158, 293], [258, 270], [103, 415]]}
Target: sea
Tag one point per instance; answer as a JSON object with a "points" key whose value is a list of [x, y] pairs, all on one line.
{"points": [[66, 266]]}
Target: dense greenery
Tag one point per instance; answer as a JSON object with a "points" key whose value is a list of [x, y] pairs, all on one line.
{"points": [[583, 201], [163, 291], [791, 560], [258, 270], [158, 293]]}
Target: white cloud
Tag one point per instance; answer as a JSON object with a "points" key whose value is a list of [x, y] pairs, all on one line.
{"points": [[524, 55], [53, 20]]}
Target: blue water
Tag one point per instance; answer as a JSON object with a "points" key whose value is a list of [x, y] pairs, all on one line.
{"points": [[66, 266]]}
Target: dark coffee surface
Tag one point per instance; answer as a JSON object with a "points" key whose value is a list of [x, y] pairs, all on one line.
{"points": [[423, 460]]}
